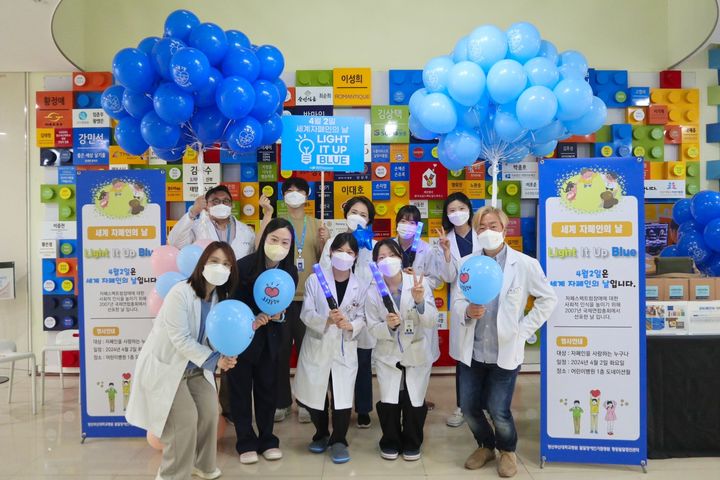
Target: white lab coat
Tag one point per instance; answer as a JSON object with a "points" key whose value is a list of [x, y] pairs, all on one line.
{"points": [[411, 350], [172, 343], [327, 349], [522, 276], [363, 274], [186, 231]]}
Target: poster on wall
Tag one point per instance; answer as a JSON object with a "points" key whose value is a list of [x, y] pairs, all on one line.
{"points": [[121, 220], [593, 348]]}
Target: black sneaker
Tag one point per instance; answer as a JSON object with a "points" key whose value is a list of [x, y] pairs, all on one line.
{"points": [[363, 420]]}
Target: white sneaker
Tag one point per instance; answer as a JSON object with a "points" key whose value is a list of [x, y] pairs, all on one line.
{"points": [[207, 476], [303, 415], [248, 458], [281, 413], [456, 419], [272, 454]]}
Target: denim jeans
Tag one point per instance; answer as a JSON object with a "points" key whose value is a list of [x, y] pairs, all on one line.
{"points": [[487, 386]]}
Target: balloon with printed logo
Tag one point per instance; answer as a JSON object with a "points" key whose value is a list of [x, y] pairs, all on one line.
{"points": [[180, 23], [245, 135], [168, 280], [162, 53], [542, 72], [190, 69], [267, 100], [129, 137], [230, 327], [235, 97], [681, 211], [172, 104], [164, 259], [712, 266], [436, 72], [574, 98], [523, 41], [158, 133], [211, 39], [694, 246], [111, 102], [486, 45], [209, 125], [480, 279], [466, 83], [690, 226], [241, 62], [133, 69], [437, 113], [272, 129], [273, 291], [536, 107], [236, 38], [137, 104], [505, 81], [272, 62], [589, 123], [147, 44], [705, 206], [187, 259]]}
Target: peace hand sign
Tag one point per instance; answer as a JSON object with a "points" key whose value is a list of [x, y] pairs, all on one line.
{"points": [[418, 289], [444, 243]]}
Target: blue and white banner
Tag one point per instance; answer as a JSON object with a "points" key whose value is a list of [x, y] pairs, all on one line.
{"points": [[591, 243], [121, 219]]}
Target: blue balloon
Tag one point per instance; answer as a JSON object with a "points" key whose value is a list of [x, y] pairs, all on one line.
{"points": [[451, 164], [460, 52], [436, 72], [705, 206], [681, 211], [147, 44], [267, 100], [507, 127], [516, 154], [205, 97], [236, 38], [712, 266], [180, 23], [523, 41], [111, 102], [137, 104], [209, 125], [437, 113], [235, 97], [162, 53], [549, 51], [572, 64], [669, 251], [711, 234], [188, 258], [693, 245], [416, 99], [190, 69], [480, 279], [541, 71], [272, 62], [211, 40], [691, 227], [245, 135], [486, 45], [418, 130], [466, 83], [168, 280], [550, 132], [536, 107], [170, 154], [133, 69], [505, 81], [157, 132], [460, 147], [272, 129], [591, 121], [230, 327], [273, 291], [544, 149], [241, 62], [129, 137], [282, 91], [173, 104], [574, 97]]}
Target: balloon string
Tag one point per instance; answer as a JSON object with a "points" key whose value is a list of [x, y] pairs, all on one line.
{"points": [[494, 167]]}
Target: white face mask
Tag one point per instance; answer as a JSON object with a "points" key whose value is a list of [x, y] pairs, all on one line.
{"points": [[216, 274], [406, 230], [354, 221], [294, 199], [459, 217], [343, 261], [276, 253], [220, 211], [490, 239], [390, 266]]}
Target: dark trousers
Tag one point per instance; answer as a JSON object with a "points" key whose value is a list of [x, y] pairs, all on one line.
{"points": [[402, 424], [487, 386], [254, 380], [363, 382], [321, 420], [293, 330]]}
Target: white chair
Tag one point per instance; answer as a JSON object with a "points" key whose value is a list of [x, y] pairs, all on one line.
{"points": [[9, 354], [65, 341]]}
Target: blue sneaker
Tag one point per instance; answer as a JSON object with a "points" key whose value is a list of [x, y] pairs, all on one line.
{"points": [[411, 455], [319, 446], [389, 453], [339, 453]]}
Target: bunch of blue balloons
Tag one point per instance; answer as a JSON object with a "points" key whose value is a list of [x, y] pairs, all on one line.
{"points": [[698, 220], [197, 86], [502, 96]]}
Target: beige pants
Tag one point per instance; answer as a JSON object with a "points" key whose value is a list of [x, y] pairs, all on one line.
{"points": [[190, 433]]}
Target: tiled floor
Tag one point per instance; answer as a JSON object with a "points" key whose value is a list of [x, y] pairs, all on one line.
{"points": [[48, 446]]}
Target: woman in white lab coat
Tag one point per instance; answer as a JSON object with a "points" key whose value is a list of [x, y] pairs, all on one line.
{"points": [[173, 395], [403, 357], [360, 213], [328, 357]]}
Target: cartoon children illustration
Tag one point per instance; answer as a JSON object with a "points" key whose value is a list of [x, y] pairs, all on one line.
{"points": [[111, 393], [608, 199], [576, 414], [126, 393], [135, 206], [594, 411], [139, 191], [610, 416], [586, 177], [611, 179], [103, 199], [117, 186], [570, 191]]}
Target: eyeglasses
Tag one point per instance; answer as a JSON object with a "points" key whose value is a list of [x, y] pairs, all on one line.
{"points": [[217, 201]]}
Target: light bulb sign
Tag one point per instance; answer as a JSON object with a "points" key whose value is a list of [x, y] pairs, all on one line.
{"points": [[329, 144]]}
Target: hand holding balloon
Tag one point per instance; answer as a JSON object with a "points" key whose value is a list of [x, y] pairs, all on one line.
{"points": [[261, 320], [226, 363], [475, 311]]}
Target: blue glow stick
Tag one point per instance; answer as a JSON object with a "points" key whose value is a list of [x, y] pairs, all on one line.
{"points": [[382, 287], [416, 240], [325, 287]]}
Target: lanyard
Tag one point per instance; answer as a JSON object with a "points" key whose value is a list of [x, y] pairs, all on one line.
{"points": [[301, 243], [228, 232]]}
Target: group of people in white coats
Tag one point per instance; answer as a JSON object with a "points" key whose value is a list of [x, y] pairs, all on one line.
{"points": [[351, 317]]}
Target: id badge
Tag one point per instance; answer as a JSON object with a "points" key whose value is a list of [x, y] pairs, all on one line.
{"points": [[408, 326], [301, 264]]}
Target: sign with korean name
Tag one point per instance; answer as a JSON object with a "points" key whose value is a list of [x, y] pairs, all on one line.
{"points": [[91, 118], [331, 144], [91, 146], [352, 87], [526, 172], [390, 124], [591, 243], [121, 221], [190, 179]]}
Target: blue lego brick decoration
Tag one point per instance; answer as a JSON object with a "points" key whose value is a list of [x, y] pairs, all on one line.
{"points": [[249, 172], [59, 312], [403, 84], [611, 86], [363, 176], [381, 190], [400, 172], [528, 228], [88, 99], [380, 153], [714, 59], [68, 248], [712, 170], [712, 132], [640, 96]]}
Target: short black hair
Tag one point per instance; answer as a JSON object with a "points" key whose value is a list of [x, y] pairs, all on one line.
{"points": [[219, 188], [343, 238], [299, 183], [459, 197], [387, 242], [408, 212], [576, 401], [365, 201]]}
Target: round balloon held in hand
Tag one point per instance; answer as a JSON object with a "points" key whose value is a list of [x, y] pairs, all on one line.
{"points": [[230, 327], [480, 279], [187, 259], [273, 291]]}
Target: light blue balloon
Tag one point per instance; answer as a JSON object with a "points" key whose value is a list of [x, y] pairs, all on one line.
{"points": [[460, 52], [168, 280], [516, 154], [574, 97], [523, 41], [466, 83], [541, 72], [480, 279], [549, 51], [229, 327], [452, 164], [415, 100], [187, 259], [544, 149], [460, 147], [536, 107], [591, 121], [273, 291], [573, 64], [505, 81], [437, 113], [436, 72], [549, 132], [486, 45], [418, 130], [507, 128]]}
